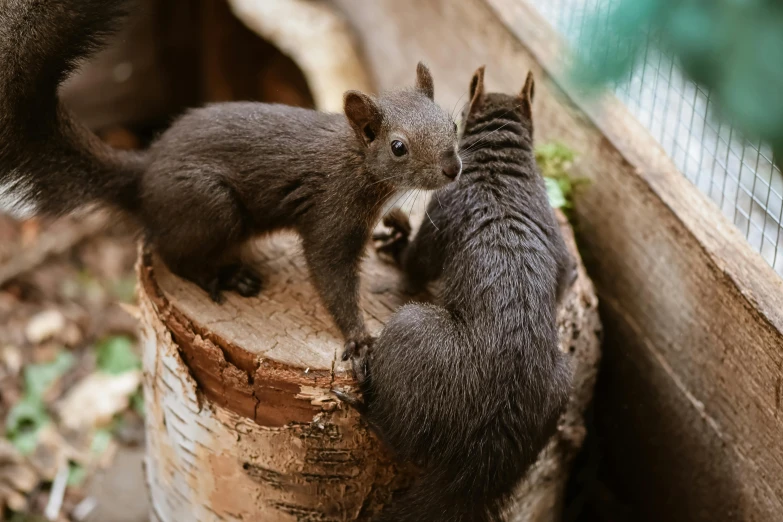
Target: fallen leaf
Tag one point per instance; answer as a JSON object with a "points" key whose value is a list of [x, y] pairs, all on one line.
{"points": [[39, 377], [17, 478], [11, 359], [44, 325], [97, 398], [13, 499], [51, 453]]}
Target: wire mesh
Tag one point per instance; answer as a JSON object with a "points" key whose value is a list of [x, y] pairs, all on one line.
{"points": [[739, 175]]}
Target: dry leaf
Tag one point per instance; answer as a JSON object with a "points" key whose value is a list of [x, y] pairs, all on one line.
{"points": [[44, 325], [21, 477], [51, 453], [13, 499], [11, 359], [97, 398], [17, 477]]}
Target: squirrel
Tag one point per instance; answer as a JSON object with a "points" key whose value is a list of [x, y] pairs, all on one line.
{"points": [[219, 175], [471, 388]]}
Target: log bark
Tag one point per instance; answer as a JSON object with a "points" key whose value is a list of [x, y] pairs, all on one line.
{"points": [[241, 423]]}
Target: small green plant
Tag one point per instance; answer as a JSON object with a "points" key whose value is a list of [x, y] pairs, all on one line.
{"points": [[124, 289], [28, 417], [555, 160], [116, 355]]}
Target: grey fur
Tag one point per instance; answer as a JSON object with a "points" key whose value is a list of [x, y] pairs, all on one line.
{"points": [[471, 388], [219, 175]]}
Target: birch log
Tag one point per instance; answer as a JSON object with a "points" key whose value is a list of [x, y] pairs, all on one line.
{"points": [[241, 424]]}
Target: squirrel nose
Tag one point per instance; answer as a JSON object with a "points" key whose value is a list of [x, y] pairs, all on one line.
{"points": [[451, 165]]}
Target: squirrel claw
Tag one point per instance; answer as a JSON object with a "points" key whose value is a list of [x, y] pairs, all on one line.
{"points": [[394, 241], [214, 290], [357, 347], [350, 399]]}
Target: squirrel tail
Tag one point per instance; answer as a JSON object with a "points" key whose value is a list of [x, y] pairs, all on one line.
{"points": [[434, 498], [50, 163]]}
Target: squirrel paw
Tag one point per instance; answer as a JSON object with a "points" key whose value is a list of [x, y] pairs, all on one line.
{"points": [[350, 399], [359, 353], [243, 280], [358, 347], [213, 288], [236, 277], [394, 241]]}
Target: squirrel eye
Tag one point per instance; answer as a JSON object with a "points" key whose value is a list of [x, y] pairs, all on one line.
{"points": [[455, 127], [398, 148]]}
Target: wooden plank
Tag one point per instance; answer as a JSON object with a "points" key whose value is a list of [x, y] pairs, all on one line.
{"points": [[693, 315]]}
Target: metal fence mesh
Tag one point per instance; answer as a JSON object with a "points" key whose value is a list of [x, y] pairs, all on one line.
{"points": [[740, 176]]}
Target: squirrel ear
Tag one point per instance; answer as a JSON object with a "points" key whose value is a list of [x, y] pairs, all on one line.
{"points": [[526, 96], [476, 89], [363, 115], [424, 81]]}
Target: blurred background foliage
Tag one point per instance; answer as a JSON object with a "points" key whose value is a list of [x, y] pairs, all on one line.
{"points": [[734, 48]]}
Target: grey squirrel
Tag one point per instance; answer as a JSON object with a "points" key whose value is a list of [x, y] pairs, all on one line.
{"points": [[221, 174], [472, 388]]}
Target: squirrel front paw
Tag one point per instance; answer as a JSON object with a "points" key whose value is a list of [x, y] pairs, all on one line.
{"points": [[351, 399], [393, 242], [357, 347]]}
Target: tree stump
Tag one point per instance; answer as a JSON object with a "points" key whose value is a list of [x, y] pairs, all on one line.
{"points": [[241, 424]]}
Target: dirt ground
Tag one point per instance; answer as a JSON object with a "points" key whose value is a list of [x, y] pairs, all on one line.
{"points": [[69, 373]]}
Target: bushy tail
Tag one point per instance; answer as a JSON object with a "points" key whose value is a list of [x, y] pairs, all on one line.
{"points": [[49, 163]]}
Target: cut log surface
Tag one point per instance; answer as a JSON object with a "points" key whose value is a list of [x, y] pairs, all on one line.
{"points": [[241, 423]]}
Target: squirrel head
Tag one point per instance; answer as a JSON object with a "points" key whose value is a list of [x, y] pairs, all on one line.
{"points": [[408, 140], [483, 104]]}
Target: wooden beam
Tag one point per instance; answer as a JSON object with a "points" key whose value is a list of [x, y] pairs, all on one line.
{"points": [[689, 408]]}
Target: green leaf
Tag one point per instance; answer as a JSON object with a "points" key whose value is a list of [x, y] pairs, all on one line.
{"points": [[24, 423], [116, 355], [76, 474], [100, 441], [555, 193], [39, 377], [124, 289], [26, 441], [555, 160], [137, 402]]}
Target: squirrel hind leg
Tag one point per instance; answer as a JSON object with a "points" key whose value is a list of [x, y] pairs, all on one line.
{"points": [[214, 277]]}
